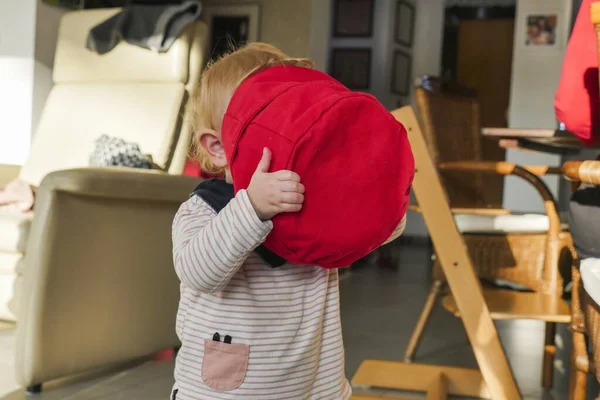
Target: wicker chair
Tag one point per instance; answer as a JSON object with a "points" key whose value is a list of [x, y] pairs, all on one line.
{"points": [[585, 310], [585, 324], [524, 252], [449, 115]]}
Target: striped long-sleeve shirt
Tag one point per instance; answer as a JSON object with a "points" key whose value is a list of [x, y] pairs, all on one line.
{"points": [[284, 323]]}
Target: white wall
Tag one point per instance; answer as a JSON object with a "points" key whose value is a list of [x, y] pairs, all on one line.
{"points": [[47, 21], [320, 28], [427, 60], [535, 75], [380, 44], [28, 31], [382, 57], [426, 52], [17, 43], [429, 35]]}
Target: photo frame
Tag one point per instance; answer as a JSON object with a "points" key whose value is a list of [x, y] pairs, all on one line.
{"points": [[541, 30], [404, 31], [245, 16], [352, 67], [353, 18], [401, 73]]}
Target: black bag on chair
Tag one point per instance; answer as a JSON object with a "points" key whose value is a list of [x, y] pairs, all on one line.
{"points": [[584, 220]]}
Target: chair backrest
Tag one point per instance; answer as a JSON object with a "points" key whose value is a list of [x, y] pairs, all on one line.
{"points": [[450, 118], [131, 93]]}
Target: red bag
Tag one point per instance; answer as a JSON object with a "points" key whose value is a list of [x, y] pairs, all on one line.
{"points": [[577, 99], [353, 158], [192, 168]]}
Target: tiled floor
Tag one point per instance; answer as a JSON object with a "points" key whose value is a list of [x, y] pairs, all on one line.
{"points": [[379, 308]]}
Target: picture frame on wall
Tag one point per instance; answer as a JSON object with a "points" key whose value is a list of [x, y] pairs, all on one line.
{"points": [[541, 30], [353, 18], [231, 24], [401, 73], [352, 67], [405, 23]]}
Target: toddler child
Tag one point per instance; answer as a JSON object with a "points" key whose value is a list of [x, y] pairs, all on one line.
{"points": [[252, 326]]}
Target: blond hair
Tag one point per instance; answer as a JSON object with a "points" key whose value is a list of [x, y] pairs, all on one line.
{"points": [[219, 81]]}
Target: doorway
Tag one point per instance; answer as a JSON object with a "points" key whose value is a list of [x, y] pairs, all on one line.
{"points": [[228, 33], [477, 52]]}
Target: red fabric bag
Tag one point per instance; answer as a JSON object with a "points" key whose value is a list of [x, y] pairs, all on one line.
{"points": [[577, 99], [192, 168], [353, 158]]}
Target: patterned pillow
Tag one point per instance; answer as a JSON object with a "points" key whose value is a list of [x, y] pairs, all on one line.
{"points": [[112, 151]]}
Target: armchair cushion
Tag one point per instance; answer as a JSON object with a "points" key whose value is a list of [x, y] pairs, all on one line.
{"points": [[590, 276], [11, 263], [14, 230], [130, 92], [512, 223], [76, 115], [74, 63]]}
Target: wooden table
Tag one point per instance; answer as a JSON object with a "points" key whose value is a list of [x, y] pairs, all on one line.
{"points": [[543, 140]]}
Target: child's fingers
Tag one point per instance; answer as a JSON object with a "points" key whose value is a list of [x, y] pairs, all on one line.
{"points": [[288, 208], [265, 161], [285, 175], [292, 198], [291, 186]]}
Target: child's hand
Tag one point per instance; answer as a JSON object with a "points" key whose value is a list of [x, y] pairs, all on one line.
{"points": [[274, 193]]}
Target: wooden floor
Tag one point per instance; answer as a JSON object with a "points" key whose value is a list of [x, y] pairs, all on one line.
{"points": [[378, 310]]}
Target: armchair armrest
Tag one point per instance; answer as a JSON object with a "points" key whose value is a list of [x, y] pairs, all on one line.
{"points": [[99, 287], [530, 174], [469, 211], [8, 173], [120, 183], [499, 167], [582, 171]]}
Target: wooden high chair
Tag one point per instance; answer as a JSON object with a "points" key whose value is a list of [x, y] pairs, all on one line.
{"points": [[495, 379], [475, 306], [514, 251]]}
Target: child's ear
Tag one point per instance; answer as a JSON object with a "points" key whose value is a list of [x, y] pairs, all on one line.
{"points": [[211, 143]]}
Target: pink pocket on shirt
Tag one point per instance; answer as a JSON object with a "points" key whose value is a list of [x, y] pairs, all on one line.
{"points": [[224, 365]]}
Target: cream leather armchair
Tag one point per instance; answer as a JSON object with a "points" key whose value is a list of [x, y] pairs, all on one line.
{"points": [[98, 287], [91, 267]]}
